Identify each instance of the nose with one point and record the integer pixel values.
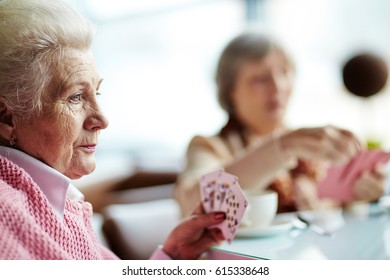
(96, 121)
(279, 83)
(274, 84)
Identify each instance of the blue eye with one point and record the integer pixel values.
(98, 93)
(75, 98)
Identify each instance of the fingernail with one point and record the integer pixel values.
(220, 216)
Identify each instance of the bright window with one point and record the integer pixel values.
(158, 58)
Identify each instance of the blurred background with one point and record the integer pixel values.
(158, 59)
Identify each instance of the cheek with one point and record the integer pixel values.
(54, 142)
(285, 96)
(67, 129)
(50, 138)
(67, 121)
(287, 85)
(61, 129)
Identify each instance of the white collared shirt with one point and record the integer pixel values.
(54, 185)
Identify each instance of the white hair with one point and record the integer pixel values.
(34, 35)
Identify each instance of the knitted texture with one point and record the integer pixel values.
(29, 228)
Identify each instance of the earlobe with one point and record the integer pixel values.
(7, 125)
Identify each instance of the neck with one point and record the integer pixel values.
(266, 129)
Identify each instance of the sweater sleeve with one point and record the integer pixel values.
(107, 254)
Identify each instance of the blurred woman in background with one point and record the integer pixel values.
(255, 78)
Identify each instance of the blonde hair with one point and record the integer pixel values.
(34, 35)
(246, 47)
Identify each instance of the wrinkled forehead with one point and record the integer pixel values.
(76, 66)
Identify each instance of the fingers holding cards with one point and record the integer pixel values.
(220, 191)
(340, 181)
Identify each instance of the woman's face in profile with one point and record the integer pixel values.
(262, 90)
(66, 134)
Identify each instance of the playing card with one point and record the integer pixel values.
(235, 204)
(369, 159)
(225, 180)
(339, 181)
(208, 190)
(224, 194)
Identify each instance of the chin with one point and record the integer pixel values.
(276, 116)
(80, 172)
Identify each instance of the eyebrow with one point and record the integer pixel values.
(82, 83)
(99, 83)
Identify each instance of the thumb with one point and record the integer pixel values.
(210, 219)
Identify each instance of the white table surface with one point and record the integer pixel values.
(360, 234)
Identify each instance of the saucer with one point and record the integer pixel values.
(278, 226)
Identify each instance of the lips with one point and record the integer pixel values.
(274, 105)
(90, 147)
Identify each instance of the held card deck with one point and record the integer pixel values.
(220, 191)
(339, 182)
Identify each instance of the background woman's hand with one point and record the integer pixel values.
(191, 238)
(371, 183)
(321, 143)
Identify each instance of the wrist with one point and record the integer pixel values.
(283, 149)
(170, 251)
(160, 254)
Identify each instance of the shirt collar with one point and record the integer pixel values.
(52, 183)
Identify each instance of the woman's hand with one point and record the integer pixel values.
(371, 183)
(191, 237)
(321, 143)
(306, 196)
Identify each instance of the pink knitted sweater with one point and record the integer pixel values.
(29, 228)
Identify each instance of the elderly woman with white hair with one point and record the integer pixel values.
(50, 122)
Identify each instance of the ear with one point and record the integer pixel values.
(7, 125)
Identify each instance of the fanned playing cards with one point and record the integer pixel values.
(339, 181)
(220, 191)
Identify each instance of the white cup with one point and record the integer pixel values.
(261, 210)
